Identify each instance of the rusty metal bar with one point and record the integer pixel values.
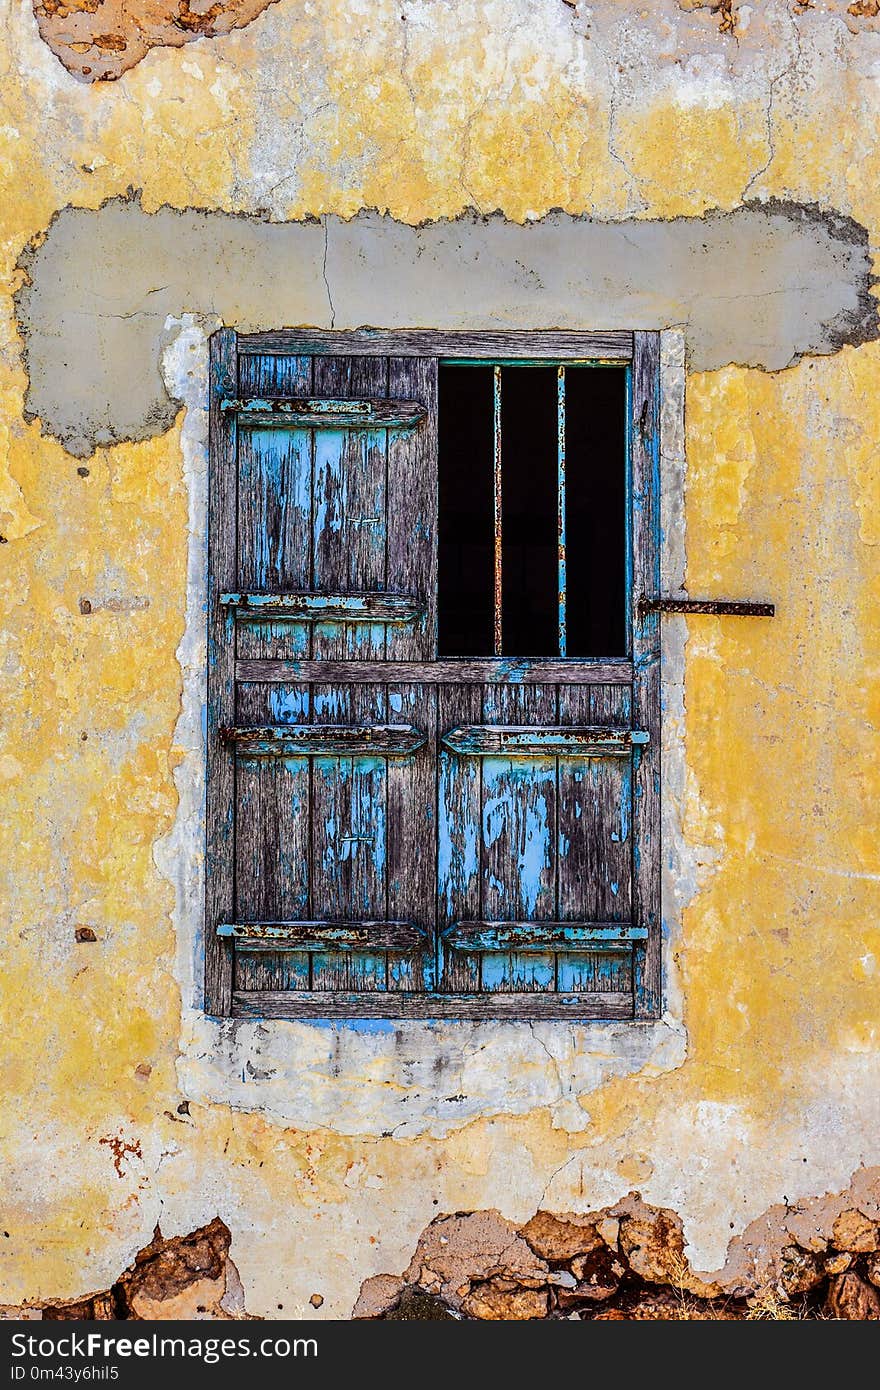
(722, 608)
(560, 509)
(497, 493)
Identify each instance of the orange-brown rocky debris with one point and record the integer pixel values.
(816, 1259)
(99, 40)
(185, 1277)
(819, 1258)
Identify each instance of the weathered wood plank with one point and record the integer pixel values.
(328, 1004)
(326, 740)
(315, 608)
(274, 532)
(327, 414)
(260, 705)
(550, 936)
(645, 432)
(321, 936)
(611, 345)
(349, 842)
(595, 846)
(458, 835)
(221, 674)
(518, 835)
(350, 508)
(412, 835)
(272, 970)
(272, 861)
(529, 741)
(271, 375)
(448, 672)
(412, 507)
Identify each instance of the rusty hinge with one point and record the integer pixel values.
(724, 608)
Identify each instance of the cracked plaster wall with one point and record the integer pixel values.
(421, 111)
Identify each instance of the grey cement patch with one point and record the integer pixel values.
(761, 286)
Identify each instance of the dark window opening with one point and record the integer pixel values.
(533, 511)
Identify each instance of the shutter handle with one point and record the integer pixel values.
(722, 608)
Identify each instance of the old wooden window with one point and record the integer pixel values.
(433, 732)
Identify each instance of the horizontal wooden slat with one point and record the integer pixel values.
(611, 345)
(326, 740)
(542, 936)
(322, 608)
(315, 1004)
(499, 670)
(292, 413)
(322, 936)
(569, 741)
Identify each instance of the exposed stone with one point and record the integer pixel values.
(481, 1265)
(854, 1232)
(180, 1278)
(851, 1298)
(652, 1241)
(661, 1305)
(417, 1306)
(99, 40)
(100, 1307)
(378, 1296)
(801, 1271)
(187, 1277)
(458, 1251)
(609, 1230)
(559, 1239)
(502, 1300)
(598, 1274)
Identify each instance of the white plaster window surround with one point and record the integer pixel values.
(367, 1076)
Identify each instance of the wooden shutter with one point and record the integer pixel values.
(389, 833)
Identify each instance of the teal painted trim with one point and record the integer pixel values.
(569, 741)
(316, 608)
(324, 936)
(292, 412)
(542, 936)
(325, 740)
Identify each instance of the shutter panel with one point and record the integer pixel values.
(334, 556)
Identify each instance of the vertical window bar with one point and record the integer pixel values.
(560, 505)
(496, 451)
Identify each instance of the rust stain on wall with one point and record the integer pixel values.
(99, 40)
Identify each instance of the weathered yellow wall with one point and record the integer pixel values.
(329, 108)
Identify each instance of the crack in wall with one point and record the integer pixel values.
(106, 280)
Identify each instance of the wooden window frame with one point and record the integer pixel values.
(640, 352)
